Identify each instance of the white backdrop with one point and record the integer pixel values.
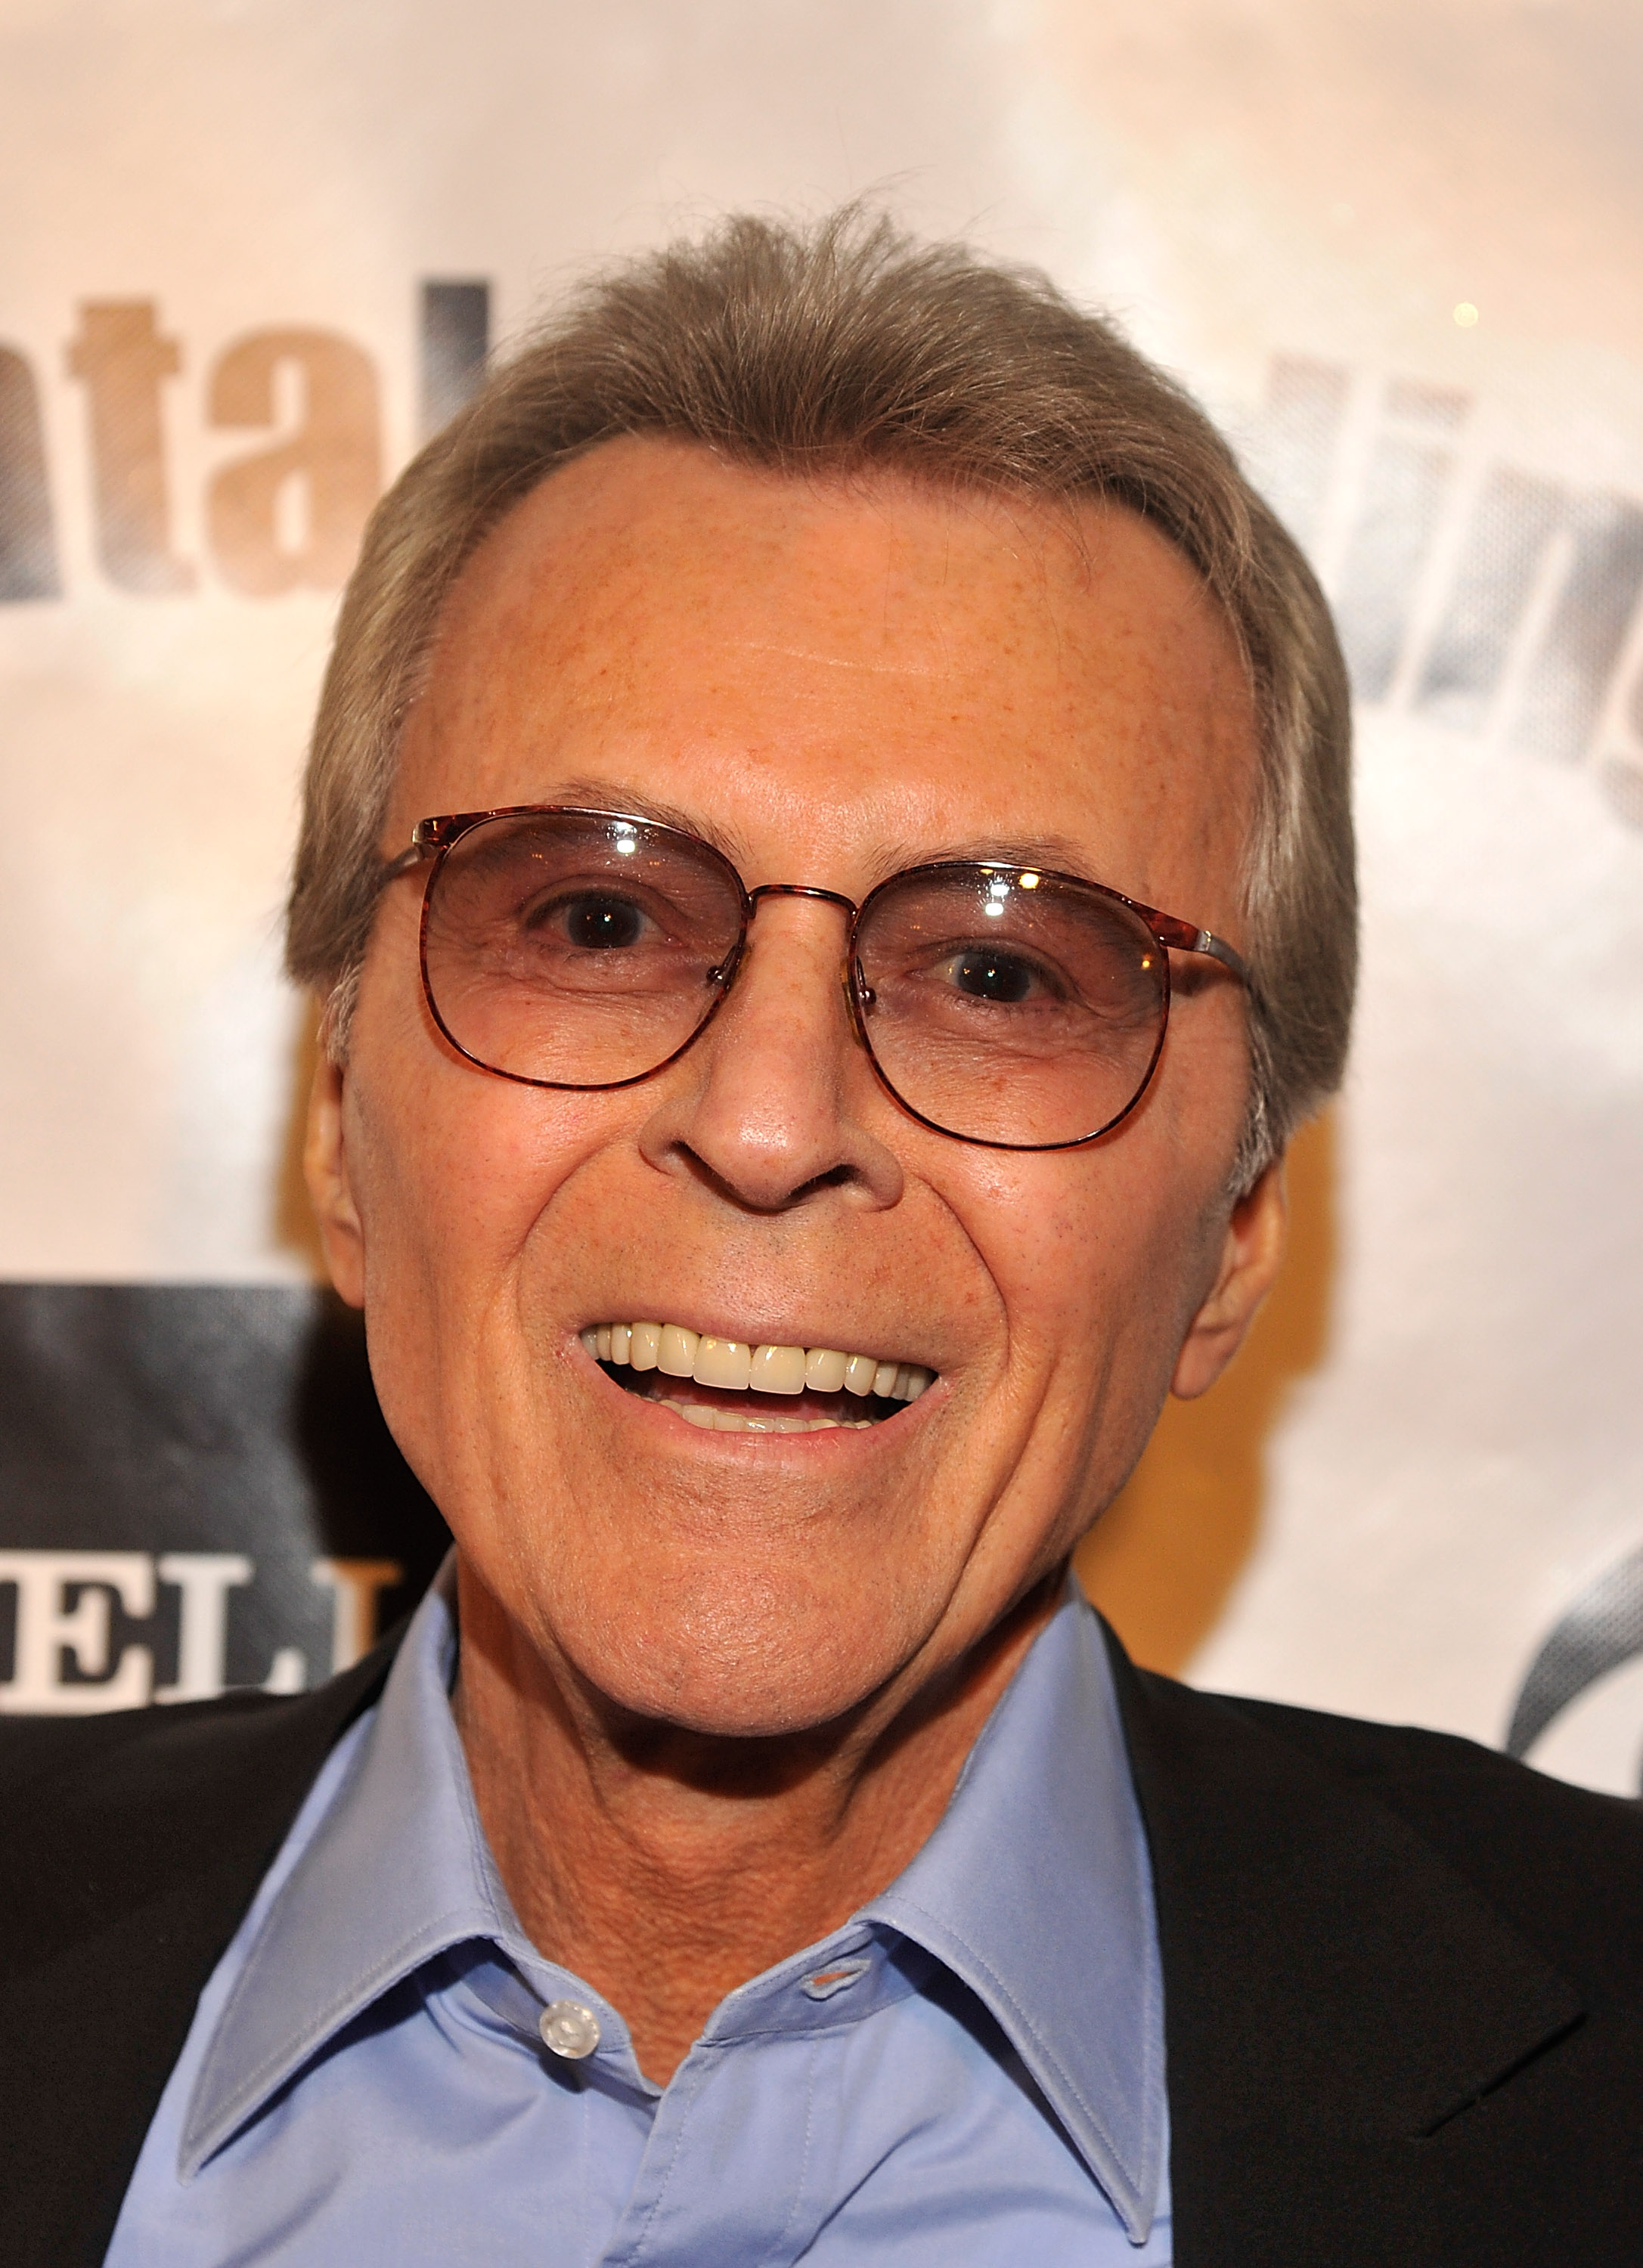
(1393, 246)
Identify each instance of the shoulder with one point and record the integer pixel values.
(1459, 1782)
(130, 1847)
(36, 1749)
(1563, 1863)
(99, 1813)
(1403, 1988)
(185, 1745)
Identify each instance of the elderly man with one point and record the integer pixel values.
(828, 863)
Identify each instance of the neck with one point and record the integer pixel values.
(668, 1867)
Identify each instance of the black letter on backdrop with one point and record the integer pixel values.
(28, 547)
(455, 340)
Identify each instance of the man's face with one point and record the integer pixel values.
(831, 680)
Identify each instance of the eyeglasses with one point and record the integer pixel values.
(1004, 1005)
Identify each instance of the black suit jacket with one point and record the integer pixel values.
(1403, 1976)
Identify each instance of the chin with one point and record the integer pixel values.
(743, 1663)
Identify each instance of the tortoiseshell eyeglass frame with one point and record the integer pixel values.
(434, 839)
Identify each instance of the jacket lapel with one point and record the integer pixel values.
(129, 1857)
(1337, 2000)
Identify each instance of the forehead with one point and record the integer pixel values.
(830, 654)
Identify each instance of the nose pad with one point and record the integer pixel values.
(725, 976)
(857, 995)
(772, 1113)
(856, 1001)
(749, 951)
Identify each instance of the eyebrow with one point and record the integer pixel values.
(1057, 853)
(1053, 853)
(628, 802)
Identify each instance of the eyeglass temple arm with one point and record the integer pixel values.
(418, 854)
(1182, 937)
(429, 837)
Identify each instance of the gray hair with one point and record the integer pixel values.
(845, 346)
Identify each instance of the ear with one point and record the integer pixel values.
(325, 1169)
(1252, 1250)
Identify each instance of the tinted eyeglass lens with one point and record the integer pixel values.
(1010, 1009)
(574, 950)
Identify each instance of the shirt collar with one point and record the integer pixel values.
(1035, 1890)
(396, 1870)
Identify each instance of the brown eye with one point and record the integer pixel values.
(597, 922)
(1002, 977)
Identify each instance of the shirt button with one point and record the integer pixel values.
(568, 2029)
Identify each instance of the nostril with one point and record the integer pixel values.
(837, 1177)
(732, 1186)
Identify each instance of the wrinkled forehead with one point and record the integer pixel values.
(687, 624)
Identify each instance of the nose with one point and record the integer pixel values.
(773, 1103)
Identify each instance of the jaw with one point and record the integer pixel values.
(744, 1586)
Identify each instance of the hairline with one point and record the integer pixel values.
(1063, 512)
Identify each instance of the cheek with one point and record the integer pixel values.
(1095, 1259)
(455, 1174)
(449, 1162)
(466, 1246)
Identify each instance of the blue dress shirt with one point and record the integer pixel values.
(970, 2071)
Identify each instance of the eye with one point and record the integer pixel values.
(988, 973)
(595, 921)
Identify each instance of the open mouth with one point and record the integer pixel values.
(727, 1387)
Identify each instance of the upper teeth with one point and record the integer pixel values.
(681, 1354)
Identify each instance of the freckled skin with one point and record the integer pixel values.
(740, 1675)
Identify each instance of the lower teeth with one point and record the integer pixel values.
(727, 1421)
